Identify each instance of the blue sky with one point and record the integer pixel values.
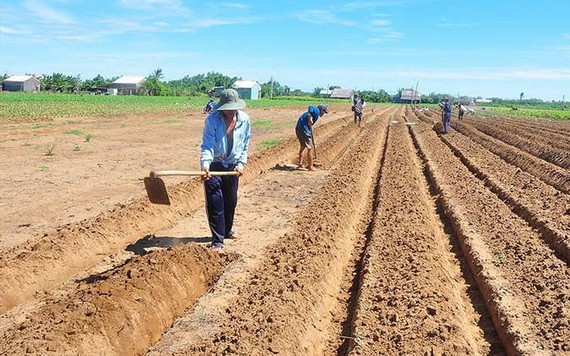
(477, 48)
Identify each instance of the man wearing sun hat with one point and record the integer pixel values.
(225, 141)
(305, 134)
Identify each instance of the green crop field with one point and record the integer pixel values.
(15, 107)
(30, 107)
(18, 107)
(527, 112)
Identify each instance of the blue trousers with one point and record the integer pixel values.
(221, 202)
(446, 121)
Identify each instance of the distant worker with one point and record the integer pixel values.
(305, 133)
(460, 111)
(210, 106)
(445, 106)
(357, 107)
(227, 132)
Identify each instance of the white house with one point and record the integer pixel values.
(128, 85)
(248, 89)
(340, 93)
(410, 96)
(26, 83)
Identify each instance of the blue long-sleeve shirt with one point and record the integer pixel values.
(215, 145)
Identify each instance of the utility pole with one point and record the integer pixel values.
(414, 94)
(271, 90)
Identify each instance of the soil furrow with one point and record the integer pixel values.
(542, 206)
(352, 279)
(535, 145)
(526, 286)
(43, 264)
(535, 134)
(286, 306)
(158, 286)
(553, 175)
(123, 311)
(559, 127)
(413, 299)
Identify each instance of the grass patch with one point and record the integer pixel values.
(261, 123)
(51, 150)
(88, 137)
(73, 132)
(269, 143)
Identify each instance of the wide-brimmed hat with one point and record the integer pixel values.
(324, 108)
(229, 100)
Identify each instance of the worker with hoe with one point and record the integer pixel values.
(305, 133)
(226, 136)
(445, 106)
(357, 107)
(460, 111)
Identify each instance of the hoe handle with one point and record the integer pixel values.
(155, 174)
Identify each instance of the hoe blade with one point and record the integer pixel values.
(156, 190)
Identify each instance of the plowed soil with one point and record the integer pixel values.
(403, 241)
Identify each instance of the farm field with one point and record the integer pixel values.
(404, 241)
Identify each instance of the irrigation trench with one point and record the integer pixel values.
(407, 242)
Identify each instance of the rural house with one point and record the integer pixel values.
(340, 93)
(325, 93)
(128, 85)
(25, 83)
(248, 89)
(410, 96)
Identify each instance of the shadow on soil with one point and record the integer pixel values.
(140, 247)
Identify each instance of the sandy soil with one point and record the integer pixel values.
(405, 241)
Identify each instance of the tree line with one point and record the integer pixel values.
(197, 85)
(201, 84)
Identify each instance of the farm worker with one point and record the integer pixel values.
(226, 136)
(445, 114)
(460, 111)
(210, 106)
(357, 107)
(305, 134)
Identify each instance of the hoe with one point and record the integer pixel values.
(156, 190)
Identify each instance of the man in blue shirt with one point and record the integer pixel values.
(445, 114)
(226, 136)
(304, 131)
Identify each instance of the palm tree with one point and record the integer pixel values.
(153, 84)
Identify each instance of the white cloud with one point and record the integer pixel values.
(321, 17)
(145, 4)
(388, 37)
(8, 30)
(239, 6)
(380, 22)
(46, 13)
